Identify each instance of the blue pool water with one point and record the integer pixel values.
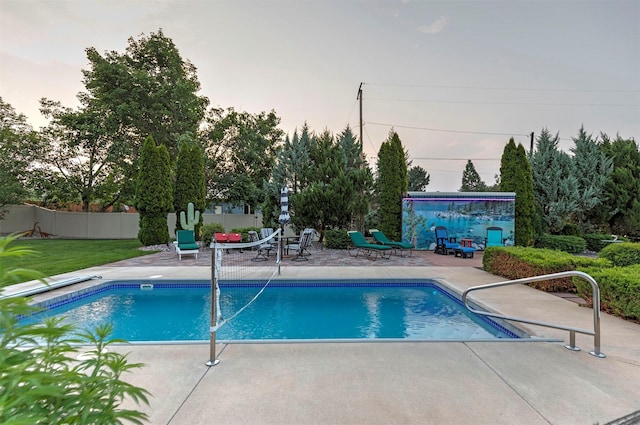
(284, 311)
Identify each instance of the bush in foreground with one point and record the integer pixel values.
(619, 290)
(520, 262)
(42, 379)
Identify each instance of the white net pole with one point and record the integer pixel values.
(216, 262)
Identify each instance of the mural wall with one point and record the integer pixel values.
(464, 214)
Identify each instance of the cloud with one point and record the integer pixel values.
(435, 27)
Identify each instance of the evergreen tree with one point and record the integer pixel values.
(190, 186)
(325, 203)
(621, 209)
(554, 181)
(515, 176)
(391, 185)
(592, 168)
(359, 176)
(418, 179)
(471, 181)
(153, 193)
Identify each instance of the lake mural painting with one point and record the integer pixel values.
(466, 215)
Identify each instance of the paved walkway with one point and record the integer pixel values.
(318, 257)
(535, 382)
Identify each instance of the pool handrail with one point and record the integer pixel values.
(572, 331)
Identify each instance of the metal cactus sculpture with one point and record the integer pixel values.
(189, 220)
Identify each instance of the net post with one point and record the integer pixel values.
(280, 248)
(214, 303)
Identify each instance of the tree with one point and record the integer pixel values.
(391, 185)
(330, 179)
(554, 181)
(515, 176)
(17, 140)
(92, 152)
(190, 186)
(81, 159)
(240, 150)
(471, 181)
(418, 179)
(291, 163)
(325, 202)
(150, 90)
(621, 208)
(153, 193)
(592, 168)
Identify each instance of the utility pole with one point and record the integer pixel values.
(531, 149)
(359, 97)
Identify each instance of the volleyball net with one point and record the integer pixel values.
(252, 265)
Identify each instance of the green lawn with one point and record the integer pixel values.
(56, 256)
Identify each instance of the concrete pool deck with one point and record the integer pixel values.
(393, 382)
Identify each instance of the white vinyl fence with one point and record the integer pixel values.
(80, 225)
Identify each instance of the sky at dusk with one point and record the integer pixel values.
(455, 79)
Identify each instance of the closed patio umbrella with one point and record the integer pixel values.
(284, 206)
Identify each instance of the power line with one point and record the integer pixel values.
(447, 130)
(506, 88)
(471, 102)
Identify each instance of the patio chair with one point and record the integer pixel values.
(302, 246)
(369, 250)
(445, 245)
(265, 232)
(186, 244)
(494, 237)
(381, 238)
(263, 248)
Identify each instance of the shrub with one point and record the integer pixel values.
(596, 241)
(570, 229)
(337, 239)
(622, 254)
(572, 244)
(619, 290)
(244, 231)
(42, 381)
(208, 230)
(153, 229)
(522, 262)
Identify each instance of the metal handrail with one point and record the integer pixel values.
(572, 331)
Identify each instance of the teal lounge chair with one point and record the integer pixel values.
(186, 244)
(397, 246)
(369, 250)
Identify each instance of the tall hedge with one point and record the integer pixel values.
(190, 181)
(154, 198)
(515, 176)
(392, 183)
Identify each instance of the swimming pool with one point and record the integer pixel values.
(311, 310)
